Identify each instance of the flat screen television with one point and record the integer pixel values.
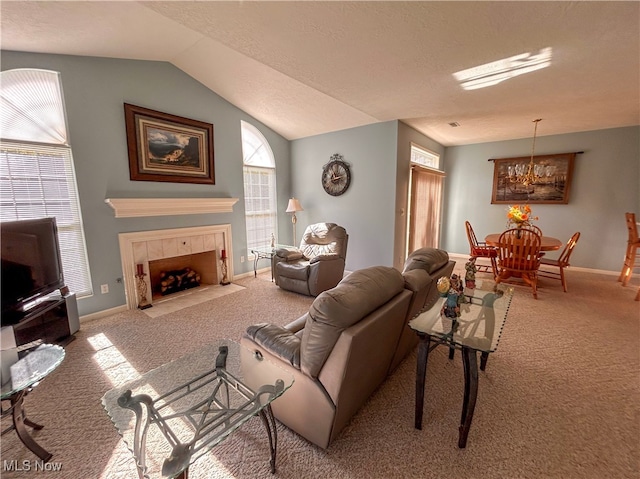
(31, 264)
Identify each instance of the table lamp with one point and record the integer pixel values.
(292, 207)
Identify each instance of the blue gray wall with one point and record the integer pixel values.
(367, 209)
(606, 184)
(95, 90)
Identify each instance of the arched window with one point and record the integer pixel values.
(259, 168)
(37, 177)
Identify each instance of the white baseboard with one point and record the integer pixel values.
(251, 273)
(102, 314)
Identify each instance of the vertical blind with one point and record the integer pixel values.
(37, 177)
(425, 208)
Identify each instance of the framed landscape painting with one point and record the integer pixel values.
(553, 175)
(165, 147)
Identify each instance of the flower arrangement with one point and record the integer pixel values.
(519, 216)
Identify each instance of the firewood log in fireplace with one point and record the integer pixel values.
(178, 280)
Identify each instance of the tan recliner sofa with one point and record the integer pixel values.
(422, 269)
(317, 265)
(339, 352)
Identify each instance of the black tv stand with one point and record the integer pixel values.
(50, 321)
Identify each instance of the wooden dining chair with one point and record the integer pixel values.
(548, 266)
(633, 249)
(537, 230)
(480, 249)
(519, 256)
(534, 228)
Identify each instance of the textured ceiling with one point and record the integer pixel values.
(305, 68)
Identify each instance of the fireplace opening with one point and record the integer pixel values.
(178, 280)
(175, 274)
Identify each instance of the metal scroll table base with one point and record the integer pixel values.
(20, 421)
(213, 418)
(470, 364)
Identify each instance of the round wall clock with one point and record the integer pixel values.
(336, 176)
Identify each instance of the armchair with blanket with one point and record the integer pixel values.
(318, 265)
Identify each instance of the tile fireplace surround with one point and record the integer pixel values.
(144, 246)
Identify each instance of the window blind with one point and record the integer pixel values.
(37, 178)
(259, 187)
(38, 181)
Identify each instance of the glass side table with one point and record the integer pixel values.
(176, 413)
(26, 373)
(479, 327)
(266, 252)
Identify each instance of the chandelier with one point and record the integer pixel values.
(526, 173)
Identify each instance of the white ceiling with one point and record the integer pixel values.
(305, 67)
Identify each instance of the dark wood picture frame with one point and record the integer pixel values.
(554, 173)
(164, 147)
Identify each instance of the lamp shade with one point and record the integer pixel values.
(294, 205)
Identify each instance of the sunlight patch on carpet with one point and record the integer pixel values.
(114, 365)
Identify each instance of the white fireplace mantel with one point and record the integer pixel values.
(136, 248)
(137, 207)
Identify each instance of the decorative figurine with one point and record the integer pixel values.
(141, 285)
(443, 286)
(273, 240)
(456, 283)
(470, 275)
(451, 308)
(223, 268)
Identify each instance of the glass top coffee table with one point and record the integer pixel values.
(34, 365)
(266, 252)
(478, 328)
(176, 413)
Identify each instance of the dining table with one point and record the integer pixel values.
(547, 243)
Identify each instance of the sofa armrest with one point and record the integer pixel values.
(416, 280)
(324, 257)
(289, 254)
(279, 341)
(298, 324)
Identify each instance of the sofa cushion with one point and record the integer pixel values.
(278, 340)
(334, 310)
(428, 259)
(299, 270)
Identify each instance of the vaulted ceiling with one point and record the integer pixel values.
(305, 67)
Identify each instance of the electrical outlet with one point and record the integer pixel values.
(104, 289)
(242, 259)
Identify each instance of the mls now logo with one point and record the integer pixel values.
(28, 465)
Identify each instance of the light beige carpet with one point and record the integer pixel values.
(560, 398)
